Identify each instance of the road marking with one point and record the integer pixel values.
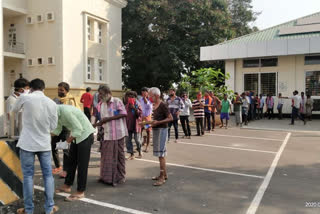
(253, 138)
(258, 197)
(204, 169)
(227, 147)
(99, 203)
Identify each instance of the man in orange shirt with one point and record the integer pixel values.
(87, 100)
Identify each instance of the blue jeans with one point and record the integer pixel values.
(136, 139)
(27, 166)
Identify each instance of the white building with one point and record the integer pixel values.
(78, 42)
(280, 59)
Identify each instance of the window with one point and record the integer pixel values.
(251, 63)
(29, 20)
(251, 82)
(50, 60)
(39, 18)
(30, 62)
(90, 68)
(40, 61)
(100, 33)
(268, 83)
(312, 60)
(269, 62)
(313, 83)
(89, 29)
(263, 62)
(261, 83)
(50, 16)
(100, 70)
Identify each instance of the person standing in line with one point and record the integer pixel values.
(39, 118)
(184, 116)
(260, 110)
(207, 111)
(87, 100)
(146, 106)
(303, 105)
(225, 110)
(237, 102)
(134, 113)
(309, 107)
(64, 97)
(256, 107)
(113, 118)
(270, 105)
(245, 108)
(198, 107)
(216, 102)
(280, 106)
(96, 117)
(21, 87)
(161, 118)
(175, 105)
(296, 102)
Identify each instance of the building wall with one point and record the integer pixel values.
(291, 76)
(75, 45)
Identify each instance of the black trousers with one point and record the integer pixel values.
(87, 112)
(260, 113)
(175, 125)
(295, 114)
(55, 154)
(213, 117)
(207, 121)
(185, 125)
(280, 112)
(199, 122)
(270, 113)
(79, 159)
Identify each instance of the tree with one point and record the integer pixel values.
(162, 39)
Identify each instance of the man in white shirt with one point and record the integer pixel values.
(21, 87)
(184, 115)
(39, 118)
(296, 104)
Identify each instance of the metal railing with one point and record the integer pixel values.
(15, 47)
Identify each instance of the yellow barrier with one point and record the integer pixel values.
(10, 173)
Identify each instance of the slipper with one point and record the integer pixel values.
(54, 209)
(21, 211)
(157, 178)
(145, 151)
(159, 182)
(61, 190)
(72, 198)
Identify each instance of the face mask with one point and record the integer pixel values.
(106, 98)
(131, 101)
(25, 92)
(151, 100)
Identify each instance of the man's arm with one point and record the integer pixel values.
(18, 105)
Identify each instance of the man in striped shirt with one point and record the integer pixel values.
(198, 107)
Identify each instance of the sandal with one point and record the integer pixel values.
(62, 190)
(72, 198)
(54, 209)
(159, 182)
(21, 211)
(57, 170)
(145, 151)
(156, 178)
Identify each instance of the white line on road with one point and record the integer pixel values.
(253, 138)
(228, 147)
(99, 203)
(204, 169)
(258, 197)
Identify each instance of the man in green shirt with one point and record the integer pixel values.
(81, 138)
(226, 106)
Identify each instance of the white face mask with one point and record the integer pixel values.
(25, 92)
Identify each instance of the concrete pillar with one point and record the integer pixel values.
(230, 68)
(2, 115)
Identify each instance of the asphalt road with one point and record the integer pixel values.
(234, 171)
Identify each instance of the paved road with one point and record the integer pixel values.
(234, 171)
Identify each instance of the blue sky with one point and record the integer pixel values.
(279, 11)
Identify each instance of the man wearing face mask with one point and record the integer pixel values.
(64, 97)
(113, 119)
(21, 87)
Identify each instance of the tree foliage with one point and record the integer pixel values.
(162, 38)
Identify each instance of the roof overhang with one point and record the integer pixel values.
(118, 3)
(277, 47)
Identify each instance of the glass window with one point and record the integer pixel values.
(101, 70)
(89, 69)
(251, 63)
(313, 83)
(100, 33)
(268, 83)
(251, 82)
(312, 60)
(269, 62)
(89, 29)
